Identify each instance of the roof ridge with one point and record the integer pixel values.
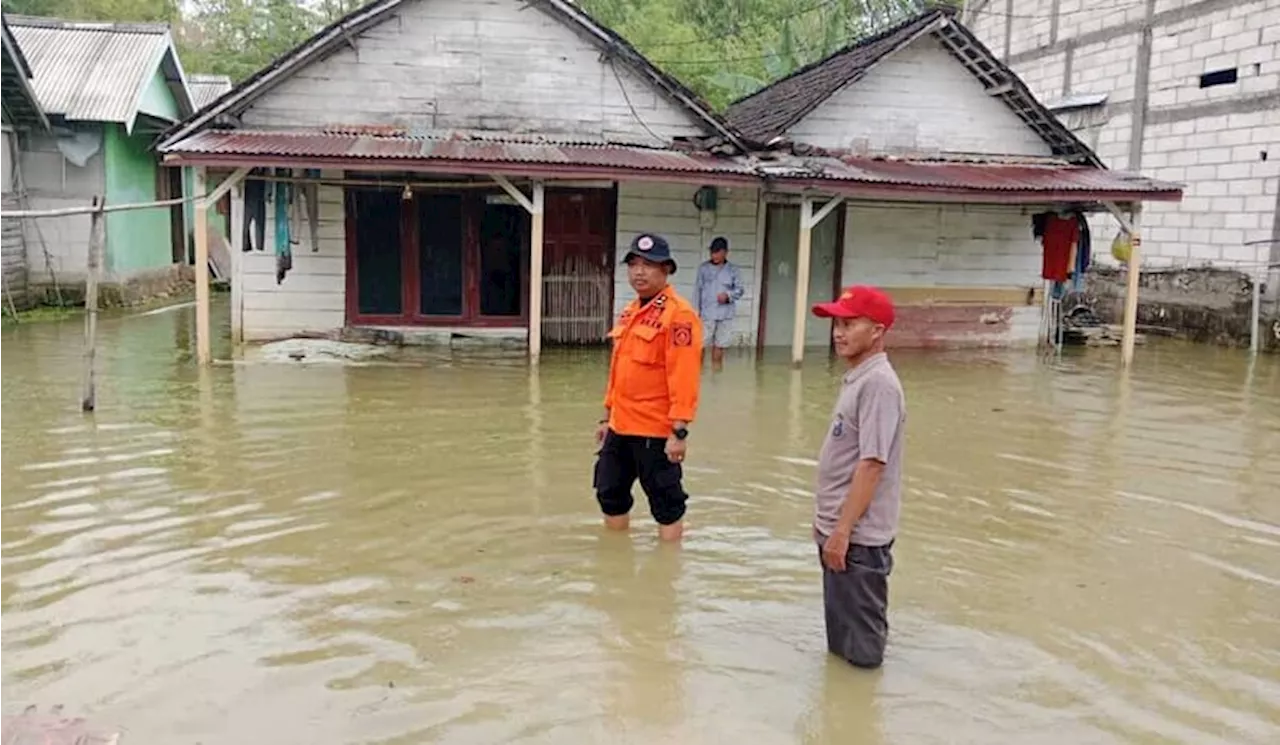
(72, 24)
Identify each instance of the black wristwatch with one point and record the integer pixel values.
(680, 432)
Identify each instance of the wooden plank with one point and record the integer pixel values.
(88, 402)
(204, 353)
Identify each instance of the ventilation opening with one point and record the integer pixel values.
(1219, 77)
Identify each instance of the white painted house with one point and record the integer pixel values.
(1185, 90)
(503, 154)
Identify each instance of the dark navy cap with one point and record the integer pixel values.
(651, 247)
(719, 243)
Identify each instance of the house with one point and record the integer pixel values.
(205, 89)
(1185, 91)
(22, 118)
(108, 89)
(504, 153)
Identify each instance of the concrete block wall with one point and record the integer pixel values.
(1222, 142)
(669, 210)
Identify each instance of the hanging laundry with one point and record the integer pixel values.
(284, 256)
(1084, 253)
(255, 215)
(1038, 221)
(312, 194)
(1060, 235)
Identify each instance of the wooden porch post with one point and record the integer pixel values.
(1130, 334)
(203, 347)
(1129, 328)
(803, 255)
(237, 263)
(808, 220)
(535, 273)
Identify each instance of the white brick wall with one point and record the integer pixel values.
(1230, 190)
(474, 64)
(896, 245)
(668, 209)
(920, 99)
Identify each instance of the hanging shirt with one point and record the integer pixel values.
(1060, 235)
(656, 366)
(712, 280)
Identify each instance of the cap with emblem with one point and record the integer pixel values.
(859, 301)
(651, 247)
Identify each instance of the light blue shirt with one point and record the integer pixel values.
(713, 280)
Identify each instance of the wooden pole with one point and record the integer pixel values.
(804, 250)
(237, 263)
(1130, 332)
(203, 348)
(89, 401)
(535, 273)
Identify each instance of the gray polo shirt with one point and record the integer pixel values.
(868, 422)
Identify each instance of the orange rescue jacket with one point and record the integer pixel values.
(656, 365)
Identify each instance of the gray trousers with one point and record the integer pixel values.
(856, 602)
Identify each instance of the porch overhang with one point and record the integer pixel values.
(530, 158)
(888, 179)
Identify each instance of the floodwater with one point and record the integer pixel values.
(324, 553)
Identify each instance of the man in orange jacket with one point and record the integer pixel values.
(652, 394)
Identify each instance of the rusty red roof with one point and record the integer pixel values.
(1047, 180)
(532, 156)
(857, 177)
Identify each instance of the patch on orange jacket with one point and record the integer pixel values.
(682, 334)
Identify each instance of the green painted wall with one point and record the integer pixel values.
(158, 101)
(136, 239)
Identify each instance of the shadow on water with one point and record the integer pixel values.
(400, 554)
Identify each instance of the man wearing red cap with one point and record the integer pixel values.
(859, 486)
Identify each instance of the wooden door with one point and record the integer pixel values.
(578, 265)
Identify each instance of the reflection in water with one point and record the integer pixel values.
(300, 553)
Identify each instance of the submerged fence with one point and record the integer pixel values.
(95, 260)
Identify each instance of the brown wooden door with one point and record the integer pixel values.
(578, 265)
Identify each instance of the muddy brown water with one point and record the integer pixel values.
(323, 553)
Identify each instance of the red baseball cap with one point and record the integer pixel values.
(859, 301)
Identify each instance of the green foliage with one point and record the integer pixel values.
(722, 49)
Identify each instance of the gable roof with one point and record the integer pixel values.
(91, 71)
(769, 112)
(205, 89)
(21, 105)
(340, 31)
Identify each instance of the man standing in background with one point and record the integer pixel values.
(716, 292)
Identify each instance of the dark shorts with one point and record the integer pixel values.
(856, 602)
(623, 459)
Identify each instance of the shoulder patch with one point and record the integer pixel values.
(682, 334)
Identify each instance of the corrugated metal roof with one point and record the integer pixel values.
(205, 89)
(345, 145)
(972, 176)
(998, 181)
(90, 71)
